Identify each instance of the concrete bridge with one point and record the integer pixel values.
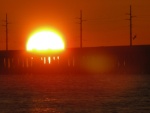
(89, 60)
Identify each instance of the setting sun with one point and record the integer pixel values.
(45, 41)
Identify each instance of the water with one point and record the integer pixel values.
(74, 94)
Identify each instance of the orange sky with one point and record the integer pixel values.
(105, 24)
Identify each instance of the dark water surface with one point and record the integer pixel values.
(74, 94)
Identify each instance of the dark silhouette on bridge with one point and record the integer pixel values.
(88, 60)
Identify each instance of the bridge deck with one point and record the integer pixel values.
(112, 59)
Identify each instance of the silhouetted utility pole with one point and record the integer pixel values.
(81, 22)
(6, 33)
(6, 25)
(130, 25)
(130, 19)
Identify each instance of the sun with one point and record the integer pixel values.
(45, 41)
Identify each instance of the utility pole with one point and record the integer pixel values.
(130, 25)
(6, 26)
(81, 29)
(6, 32)
(130, 19)
(81, 21)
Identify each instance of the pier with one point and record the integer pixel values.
(88, 60)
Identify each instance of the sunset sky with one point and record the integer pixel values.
(105, 24)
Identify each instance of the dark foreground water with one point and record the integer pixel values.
(74, 94)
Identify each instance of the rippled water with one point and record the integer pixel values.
(74, 94)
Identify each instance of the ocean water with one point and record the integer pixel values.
(74, 93)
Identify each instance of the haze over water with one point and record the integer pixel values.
(74, 93)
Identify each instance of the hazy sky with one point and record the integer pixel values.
(105, 24)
